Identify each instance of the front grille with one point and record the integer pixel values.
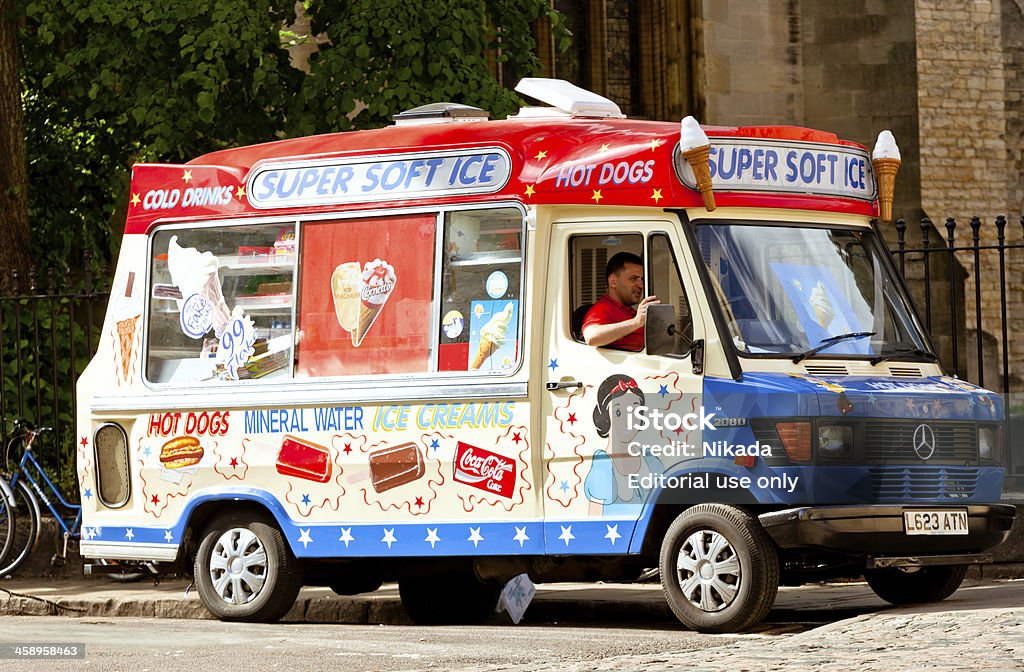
(903, 483)
(893, 441)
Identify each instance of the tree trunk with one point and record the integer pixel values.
(15, 257)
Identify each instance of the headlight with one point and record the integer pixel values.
(988, 443)
(835, 441)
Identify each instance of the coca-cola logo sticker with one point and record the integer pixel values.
(485, 470)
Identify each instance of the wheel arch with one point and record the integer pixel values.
(662, 509)
(203, 508)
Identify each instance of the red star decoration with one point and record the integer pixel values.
(419, 501)
(84, 442)
(517, 438)
(155, 499)
(234, 462)
(572, 418)
(348, 448)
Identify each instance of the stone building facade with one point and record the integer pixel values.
(945, 76)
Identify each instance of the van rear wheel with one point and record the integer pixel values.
(245, 571)
(719, 569)
(915, 585)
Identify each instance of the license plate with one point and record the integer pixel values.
(935, 522)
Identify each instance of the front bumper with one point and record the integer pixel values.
(878, 529)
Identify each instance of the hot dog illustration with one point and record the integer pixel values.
(181, 451)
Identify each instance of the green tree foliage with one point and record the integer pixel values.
(112, 82)
(108, 83)
(384, 56)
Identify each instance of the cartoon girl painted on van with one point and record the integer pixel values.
(613, 483)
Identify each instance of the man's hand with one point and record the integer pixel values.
(641, 310)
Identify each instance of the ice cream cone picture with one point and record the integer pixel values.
(824, 313)
(202, 304)
(378, 281)
(696, 149)
(126, 339)
(492, 336)
(885, 159)
(345, 283)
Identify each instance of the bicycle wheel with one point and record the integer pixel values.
(26, 528)
(7, 521)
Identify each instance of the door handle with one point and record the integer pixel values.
(563, 385)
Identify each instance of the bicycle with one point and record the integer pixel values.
(7, 518)
(26, 484)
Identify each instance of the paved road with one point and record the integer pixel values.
(980, 628)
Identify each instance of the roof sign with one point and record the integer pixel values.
(740, 164)
(372, 178)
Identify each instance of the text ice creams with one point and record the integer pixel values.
(492, 336)
(345, 283)
(377, 283)
(885, 159)
(696, 149)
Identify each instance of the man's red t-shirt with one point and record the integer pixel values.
(609, 311)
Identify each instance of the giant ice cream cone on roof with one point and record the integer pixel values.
(378, 283)
(886, 161)
(696, 148)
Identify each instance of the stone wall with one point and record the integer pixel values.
(968, 61)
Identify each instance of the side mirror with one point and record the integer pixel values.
(660, 332)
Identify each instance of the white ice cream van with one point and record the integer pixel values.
(355, 358)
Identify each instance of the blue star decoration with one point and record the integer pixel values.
(434, 444)
(305, 499)
(553, 364)
(564, 486)
(663, 390)
(88, 493)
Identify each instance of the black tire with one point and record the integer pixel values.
(452, 598)
(26, 528)
(719, 569)
(244, 570)
(915, 585)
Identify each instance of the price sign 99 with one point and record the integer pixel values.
(236, 344)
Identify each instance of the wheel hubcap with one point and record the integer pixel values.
(708, 570)
(238, 566)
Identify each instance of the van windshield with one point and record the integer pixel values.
(787, 289)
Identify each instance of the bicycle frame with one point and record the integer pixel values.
(28, 459)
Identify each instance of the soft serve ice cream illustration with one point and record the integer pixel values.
(492, 336)
(202, 303)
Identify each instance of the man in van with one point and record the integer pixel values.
(617, 319)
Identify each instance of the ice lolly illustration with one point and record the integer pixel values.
(345, 282)
(885, 159)
(696, 148)
(378, 281)
(492, 335)
(195, 272)
(395, 465)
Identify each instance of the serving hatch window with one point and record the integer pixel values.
(220, 304)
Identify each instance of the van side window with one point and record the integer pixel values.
(220, 304)
(665, 282)
(588, 261)
(365, 296)
(480, 311)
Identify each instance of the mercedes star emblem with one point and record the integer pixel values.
(924, 442)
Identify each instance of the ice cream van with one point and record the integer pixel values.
(355, 358)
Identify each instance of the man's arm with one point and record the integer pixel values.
(603, 334)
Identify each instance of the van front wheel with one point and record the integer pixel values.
(915, 585)
(719, 569)
(245, 572)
